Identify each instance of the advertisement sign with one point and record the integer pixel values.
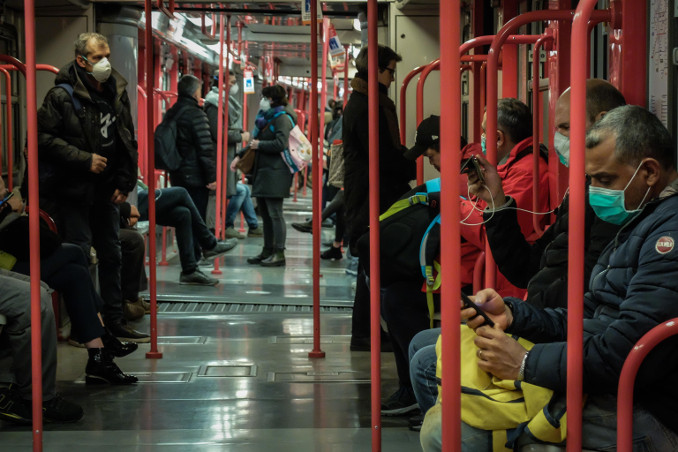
(306, 12)
(248, 82)
(334, 44)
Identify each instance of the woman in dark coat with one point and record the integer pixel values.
(271, 177)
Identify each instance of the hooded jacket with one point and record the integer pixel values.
(395, 171)
(194, 142)
(67, 139)
(633, 288)
(234, 135)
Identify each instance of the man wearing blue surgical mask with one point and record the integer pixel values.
(88, 163)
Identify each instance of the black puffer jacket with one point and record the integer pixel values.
(633, 288)
(542, 265)
(394, 170)
(67, 140)
(272, 177)
(194, 142)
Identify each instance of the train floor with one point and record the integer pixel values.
(235, 373)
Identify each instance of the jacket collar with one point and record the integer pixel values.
(516, 153)
(69, 74)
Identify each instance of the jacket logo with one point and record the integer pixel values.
(664, 245)
(106, 123)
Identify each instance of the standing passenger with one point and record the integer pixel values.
(271, 176)
(88, 163)
(395, 171)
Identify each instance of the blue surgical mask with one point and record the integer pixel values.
(561, 143)
(264, 105)
(483, 144)
(610, 205)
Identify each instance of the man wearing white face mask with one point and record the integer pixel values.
(88, 163)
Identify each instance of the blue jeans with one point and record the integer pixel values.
(423, 360)
(599, 430)
(242, 200)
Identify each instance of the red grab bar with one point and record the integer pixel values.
(168, 12)
(628, 376)
(432, 66)
(403, 101)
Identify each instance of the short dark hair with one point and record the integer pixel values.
(639, 134)
(215, 77)
(514, 118)
(188, 84)
(601, 96)
(276, 93)
(384, 56)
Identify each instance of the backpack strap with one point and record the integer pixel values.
(69, 89)
(428, 250)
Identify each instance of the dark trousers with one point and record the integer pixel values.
(132, 272)
(360, 321)
(175, 208)
(336, 207)
(405, 311)
(67, 271)
(96, 225)
(275, 230)
(200, 196)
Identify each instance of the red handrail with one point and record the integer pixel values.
(575, 283)
(628, 376)
(450, 108)
(432, 66)
(535, 131)
(154, 353)
(346, 75)
(403, 102)
(375, 275)
(316, 170)
(168, 12)
(221, 182)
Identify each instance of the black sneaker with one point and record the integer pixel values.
(126, 333)
(401, 402)
(255, 232)
(60, 410)
(220, 248)
(197, 278)
(332, 253)
(416, 422)
(13, 408)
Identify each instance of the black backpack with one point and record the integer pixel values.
(402, 228)
(167, 156)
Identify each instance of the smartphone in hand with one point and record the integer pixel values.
(469, 304)
(470, 165)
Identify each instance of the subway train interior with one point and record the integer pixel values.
(256, 357)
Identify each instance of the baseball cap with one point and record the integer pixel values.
(428, 133)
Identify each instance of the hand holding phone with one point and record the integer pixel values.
(469, 304)
(472, 165)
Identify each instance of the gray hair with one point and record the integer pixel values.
(188, 84)
(83, 38)
(639, 134)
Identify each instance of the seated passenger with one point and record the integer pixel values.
(540, 266)
(132, 272)
(630, 158)
(404, 305)
(15, 366)
(64, 267)
(175, 208)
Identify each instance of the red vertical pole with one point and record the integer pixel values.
(575, 281)
(435, 64)
(218, 231)
(321, 110)
(10, 141)
(8, 97)
(225, 168)
(34, 222)
(346, 76)
(148, 39)
(509, 65)
(450, 114)
(375, 275)
(317, 190)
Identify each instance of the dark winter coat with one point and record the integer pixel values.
(194, 142)
(67, 140)
(542, 266)
(234, 135)
(633, 288)
(272, 177)
(395, 171)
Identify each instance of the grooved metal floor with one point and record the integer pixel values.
(235, 373)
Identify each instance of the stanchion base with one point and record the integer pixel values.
(163, 264)
(316, 354)
(153, 355)
(216, 272)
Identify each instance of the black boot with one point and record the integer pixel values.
(265, 253)
(101, 369)
(276, 259)
(116, 347)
